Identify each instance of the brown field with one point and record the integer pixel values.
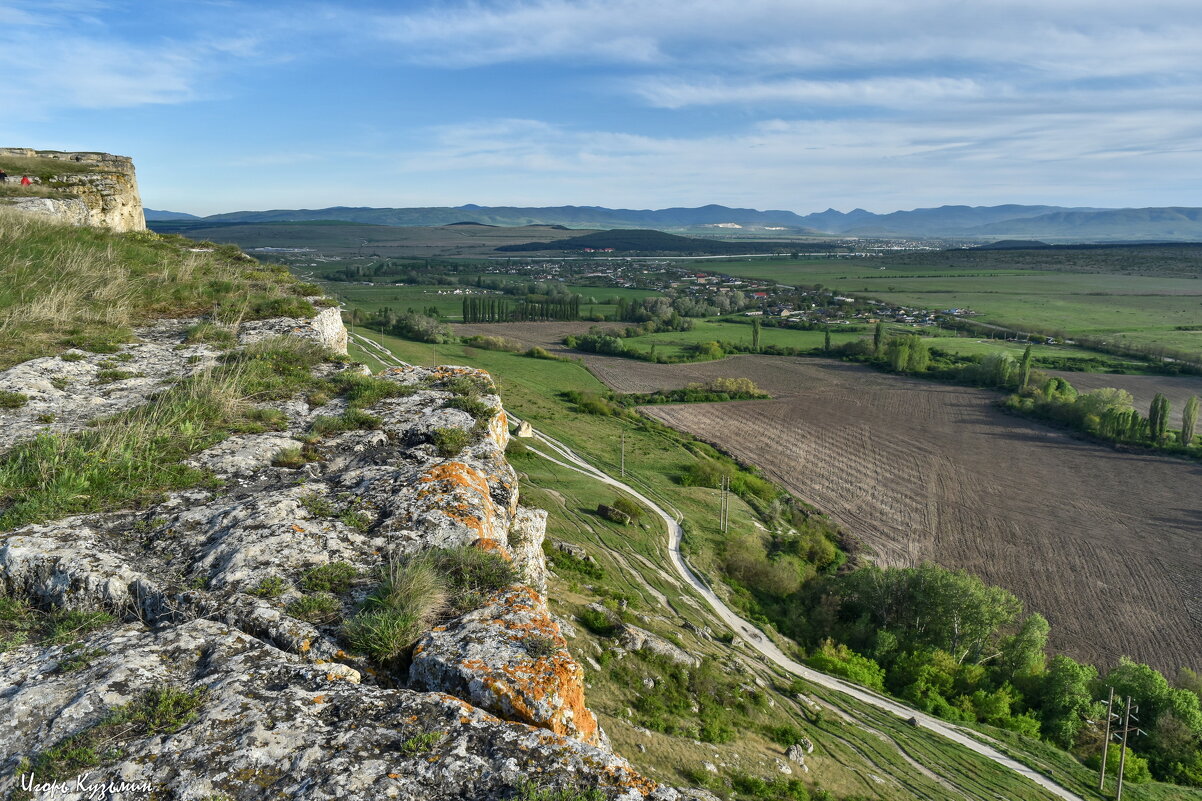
(1103, 543)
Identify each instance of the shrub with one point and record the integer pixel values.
(472, 575)
(472, 405)
(450, 441)
(362, 391)
(291, 458)
(112, 376)
(13, 400)
(319, 608)
(269, 587)
(528, 791)
(333, 577)
(629, 507)
(384, 635)
(539, 646)
(350, 420)
(542, 353)
(317, 506)
(839, 660)
(421, 743)
(599, 622)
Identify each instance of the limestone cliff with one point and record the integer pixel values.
(204, 589)
(80, 188)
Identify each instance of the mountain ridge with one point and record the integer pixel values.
(955, 221)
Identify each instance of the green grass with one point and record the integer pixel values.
(63, 286)
(130, 459)
(1140, 309)
(22, 624)
(44, 168)
(410, 596)
(674, 343)
(12, 400)
(450, 441)
(420, 297)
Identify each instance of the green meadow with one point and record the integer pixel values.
(1141, 309)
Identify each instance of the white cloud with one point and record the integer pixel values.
(1073, 159)
(883, 91)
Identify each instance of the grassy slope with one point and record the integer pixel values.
(847, 755)
(66, 287)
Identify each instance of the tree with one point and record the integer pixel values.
(1024, 654)
(878, 336)
(1189, 421)
(1066, 700)
(826, 345)
(755, 335)
(1158, 418)
(1024, 369)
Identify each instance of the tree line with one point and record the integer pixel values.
(488, 309)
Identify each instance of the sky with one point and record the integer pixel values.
(770, 104)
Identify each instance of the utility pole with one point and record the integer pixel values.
(1127, 729)
(724, 521)
(1106, 739)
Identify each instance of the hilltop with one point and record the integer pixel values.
(86, 188)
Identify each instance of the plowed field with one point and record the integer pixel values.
(1107, 545)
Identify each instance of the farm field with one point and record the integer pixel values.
(347, 239)
(1102, 542)
(450, 305)
(1144, 309)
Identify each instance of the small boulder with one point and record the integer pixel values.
(632, 638)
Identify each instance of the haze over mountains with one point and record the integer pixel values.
(1010, 221)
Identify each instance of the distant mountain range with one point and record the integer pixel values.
(984, 222)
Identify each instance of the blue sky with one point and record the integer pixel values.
(794, 104)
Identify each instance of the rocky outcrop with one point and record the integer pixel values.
(103, 194)
(65, 392)
(267, 723)
(204, 586)
(511, 659)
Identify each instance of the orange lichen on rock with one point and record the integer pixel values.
(484, 657)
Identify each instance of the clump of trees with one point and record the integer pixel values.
(421, 326)
(1108, 413)
(964, 650)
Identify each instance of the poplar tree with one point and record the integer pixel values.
(827, 341)
(878, 336)
(1189, 421)
(1158, 417)
(1024, 367)
(755, 336)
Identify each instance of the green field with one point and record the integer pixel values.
(673, 343)
(450, 306)
(1142, 309)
